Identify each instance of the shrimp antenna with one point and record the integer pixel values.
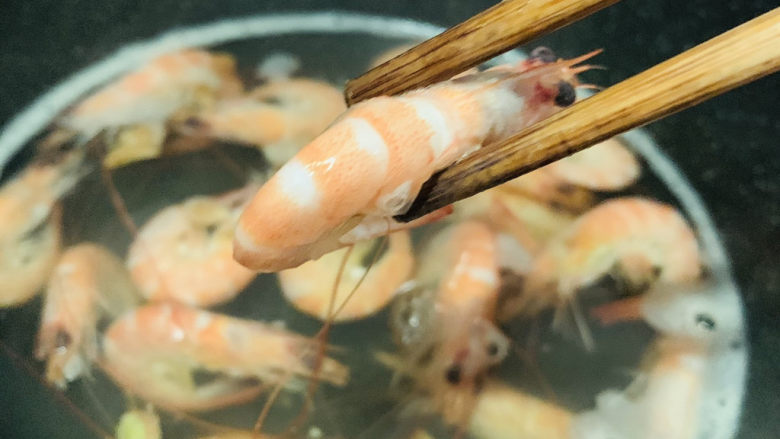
(321, 336)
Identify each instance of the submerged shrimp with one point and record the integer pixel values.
(346, 184)
(310, 287)
(280, 116)
(158, 351)
(155, 91)
(645, 240)
(184, 252)
(605, 166)
(696, 311)
(448, 362)
(87, 284)
(502, 412)
(30, 228)
(662, 402)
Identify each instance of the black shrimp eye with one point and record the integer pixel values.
(566, 94)
(492, 349)
(705, 321)
(544, 54)
(62, 339)
(453, 374)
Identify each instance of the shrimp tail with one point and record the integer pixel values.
(618, 311)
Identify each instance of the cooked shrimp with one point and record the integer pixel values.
(662, 402)
(606, 166)
(155, 91)
(88, 283)
(156, 351)
(449, 362)
(280, 116)
(184, 252)
(696, 311)
(346, 185)
(646, 240)
(546, 187)
(310, 287)
(30, 227)
(502, 412)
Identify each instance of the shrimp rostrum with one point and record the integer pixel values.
(348, 183)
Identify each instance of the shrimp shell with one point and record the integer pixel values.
(88, 283)
(370, 164)
(154, 351)
(309, 287)
(184, 252)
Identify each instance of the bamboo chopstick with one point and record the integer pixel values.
(729, 60)
(483, 36)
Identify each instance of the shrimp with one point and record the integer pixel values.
(662, 402)
(155, 91)
(88, 283)
(697, 311)
(280, 117)
(449, 362)
(605, 166)
(502, 412)
(644, 239)
(308, 289)
(30, 230)
(346, 184)
(158, 351)
(184, 252)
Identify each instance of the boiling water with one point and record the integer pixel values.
(365, 408)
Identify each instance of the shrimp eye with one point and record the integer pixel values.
(271, 100)
(543, 54)
(453, 374)
(211, 229)
(566, 94)
(705, 321)
(62, 339)
(193, 122)
(492, 349)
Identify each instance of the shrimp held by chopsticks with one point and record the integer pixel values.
(348, 183)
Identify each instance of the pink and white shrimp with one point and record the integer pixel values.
(184, 253)
(155, 352)
(502, 412)
(664, 401)
(646, 240)
(606, 166)
(348, 183)
(448, 362)
(309, 287)
(30, 229)
(155, 91)
(279, 117)
(697, 311)
(88, 284)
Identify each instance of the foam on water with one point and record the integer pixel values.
(725, 381)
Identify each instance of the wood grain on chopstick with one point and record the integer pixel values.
(736, 57)
(490, 33)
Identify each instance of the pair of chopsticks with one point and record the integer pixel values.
(734, 58)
